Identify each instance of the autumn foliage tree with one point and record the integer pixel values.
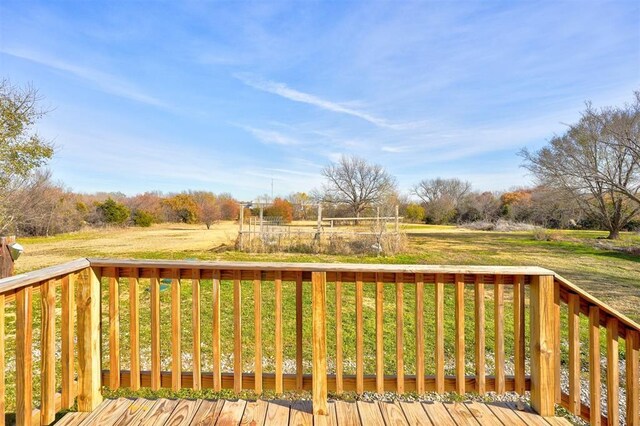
(280, 208)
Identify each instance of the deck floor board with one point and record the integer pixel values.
(126, 412)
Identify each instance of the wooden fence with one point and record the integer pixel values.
(450, 293)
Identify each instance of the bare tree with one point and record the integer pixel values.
(357, 183)
(594, 161)
(441, 197)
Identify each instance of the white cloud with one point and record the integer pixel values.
(271, 137)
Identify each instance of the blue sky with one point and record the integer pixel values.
(226, 96)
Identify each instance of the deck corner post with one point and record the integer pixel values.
(543, 340)
(319, 338)
(89, 353)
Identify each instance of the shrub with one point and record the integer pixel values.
(142, 218)
(113, 212)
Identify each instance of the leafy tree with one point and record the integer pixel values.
(208, 208)
(415, 212)
(182, 208)
(357, 183)
(229, 207)
(113, 212)
(280, 208)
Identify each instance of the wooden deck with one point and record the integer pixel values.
(174, 412)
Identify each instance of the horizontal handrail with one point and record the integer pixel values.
(34, 277)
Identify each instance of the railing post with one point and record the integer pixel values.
(88, 306)
(543, 352)
(319, 340)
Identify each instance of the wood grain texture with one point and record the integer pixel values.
(415, 414)
(573, 318)
(114, 331)
(542, 341)
(67, 324)
(392, 413)
(359, 335)
(498, 316)
(183, 413)
(299, 365)
(632, 355)
(319, 342)
(613, 371)
(479, 314)
(48, 354)
(339, 338)
(518, 332)
(370, 413)
(399, 334)
(217, 354)
(278, 330)
(195, 329)
(255, 413)
(176, 333)
(88, 308)
(439, 355)
(257, 324)
(237, 334)
(379, 334)
(459, 341)
(594, 364)
(155, 331)
(134, 329)
(419, 319)
(24, 356)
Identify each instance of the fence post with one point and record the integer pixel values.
(6, 262)
(543, 350)
(319, 340)
(89, 372)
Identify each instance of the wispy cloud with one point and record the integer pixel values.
(271, 136)
(287, 92)
(106, 82)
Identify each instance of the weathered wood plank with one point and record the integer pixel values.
(518, 331)
(255, 413)
(594, 364)
(176, 333)
(207, 413)
(370, 413)
(574, 353)
(399, 334)
(459, 342)
(461, 414)
(136, 411)
(237, 333)
(24, 356)
(505, 414)
(48, 354)
(498, 315)
(419, 313)
(379, 334)
(114, 330)
(278, 330)
(16, 282)
(257, 324)
(217, 354)
(359, 336)
(134, 329)
(319, 345)
(195, 329)
(110, 414)
(415, 414)
(613, 371)
(542, 341)
(479, 312)
(437, 413)
(88, 307)
(67, 335)
(339, 359)
(159, 412)
(483, 414)
(183, 413)
(392, 413)
(439, 355)
(347, 413)
(155, 331)
(278, 413)
(300, 414)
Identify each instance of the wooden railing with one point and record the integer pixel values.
(318, 327)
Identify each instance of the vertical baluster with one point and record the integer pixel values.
(594, 364)
(217, 371)
(359, 336)
(541, 345)
(299, 366)
(134, 327)
(498, 316)
(319, 347)
(612, 371)
(556, 340)
(89, 356)
(439, 333)
(176, 332)
(2, 363)
(633, 377)
(399, 334)
(379, 331)
(237, 333)
(24, 375)
(339, 360)
(257, 321)
(48, 354)
(195, 329)
(68, 309)
(114, 331)
(518, 328)
(419, 333)
(480, 335)
(574, 353)
(279, 343)
(459, 317)
(155, 329)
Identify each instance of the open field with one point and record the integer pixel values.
(608, 274)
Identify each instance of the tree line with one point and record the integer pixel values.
(588, 177)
